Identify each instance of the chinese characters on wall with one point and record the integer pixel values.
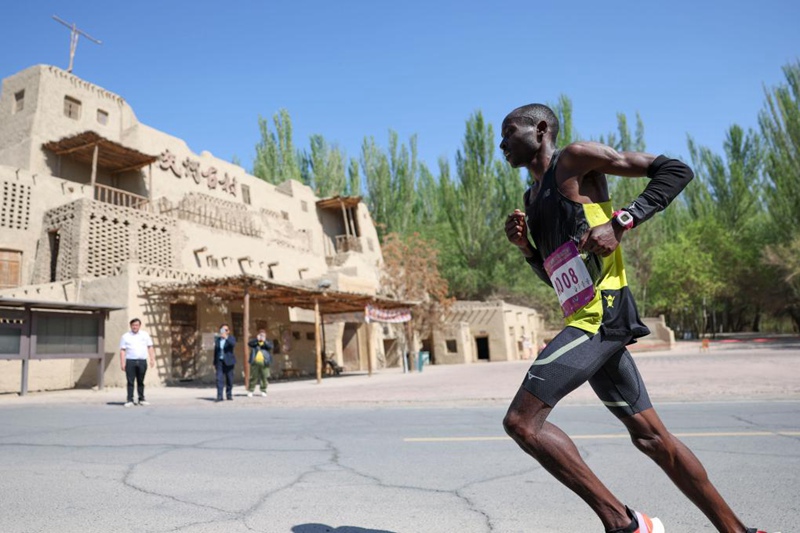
(191, 169)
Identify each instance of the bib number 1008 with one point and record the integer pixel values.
(566, 280)
(570, 278)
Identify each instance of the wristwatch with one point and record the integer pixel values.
(623, 218)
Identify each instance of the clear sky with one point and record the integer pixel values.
(204, 70)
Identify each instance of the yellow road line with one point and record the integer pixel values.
(618, 436)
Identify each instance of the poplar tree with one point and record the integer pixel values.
(390, 179)
(324, 168)
(276, 159)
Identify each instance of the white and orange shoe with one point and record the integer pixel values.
(647, 524)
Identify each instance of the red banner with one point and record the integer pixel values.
(393, 316)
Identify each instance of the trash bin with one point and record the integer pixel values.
(423, 359)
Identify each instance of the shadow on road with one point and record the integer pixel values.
(322, 528)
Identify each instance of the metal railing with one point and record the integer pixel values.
(110, 195)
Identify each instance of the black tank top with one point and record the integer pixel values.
(553, 219)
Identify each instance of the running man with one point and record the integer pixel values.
(575, 250)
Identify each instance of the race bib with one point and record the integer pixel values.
(570, 278)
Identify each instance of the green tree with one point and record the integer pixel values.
(476, 204)
(390, 180)
(353, 178)
(566, 129)
(685, 278)
(726, 192)
(324, 167)
(780, 125)
(728, 188)
(276, 159)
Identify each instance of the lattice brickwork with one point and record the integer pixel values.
(108, 245)
(99, 239)
(15, 210)
(154, 245)
(118, 236)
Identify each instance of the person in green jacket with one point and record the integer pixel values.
(260, 360)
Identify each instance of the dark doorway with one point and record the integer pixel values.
(427, 346)
(183, 331)
(55, 243)
(482, 345)
(350, 358)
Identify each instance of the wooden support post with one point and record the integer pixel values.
(246, 335)
(318, 340)
(94, 167)
(370, 348)
(150, 187)
(344, 217)
(409, 346)
(101, 347)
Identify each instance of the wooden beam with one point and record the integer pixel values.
(74, 148)
(131, 167)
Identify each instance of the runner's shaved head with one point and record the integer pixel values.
(536, 113)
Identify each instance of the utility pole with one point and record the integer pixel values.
(73, 39)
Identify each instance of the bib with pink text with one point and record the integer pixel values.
(570, 278)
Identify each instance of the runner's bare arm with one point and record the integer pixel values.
(581, 158)
(668, 177)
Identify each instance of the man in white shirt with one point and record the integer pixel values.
(135, 348)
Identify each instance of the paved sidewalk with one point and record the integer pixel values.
(752, 369)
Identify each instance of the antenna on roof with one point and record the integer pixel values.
(73, 39)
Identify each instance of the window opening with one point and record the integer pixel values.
(72, 108)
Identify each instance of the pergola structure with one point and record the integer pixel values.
(247, 286)
(93, 149)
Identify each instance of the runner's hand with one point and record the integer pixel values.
(601, 240)
(516, 230)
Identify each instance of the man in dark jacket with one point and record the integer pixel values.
(260, 360)
(224, 361)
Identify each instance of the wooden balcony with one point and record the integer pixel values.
(110, 195)
(347, 243)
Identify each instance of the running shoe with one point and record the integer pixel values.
(646, 524)
(754, 530)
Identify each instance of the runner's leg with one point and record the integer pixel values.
(526, 423)
(621, 388)
(567, 362)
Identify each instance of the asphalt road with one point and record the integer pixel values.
(233, 467)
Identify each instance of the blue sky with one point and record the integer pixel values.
(204, 71)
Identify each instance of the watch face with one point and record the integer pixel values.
(625, 219)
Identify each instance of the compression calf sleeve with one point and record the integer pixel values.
(668, 177)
